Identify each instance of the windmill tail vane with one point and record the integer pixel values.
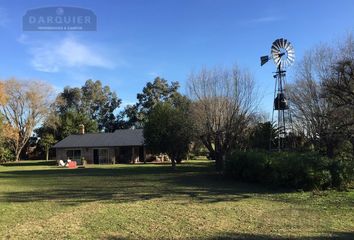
(264, 60)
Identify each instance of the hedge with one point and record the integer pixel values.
(290, 169)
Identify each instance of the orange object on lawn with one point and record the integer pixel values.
(72, 164)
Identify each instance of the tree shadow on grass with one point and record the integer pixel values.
(29, 163)
(125, 192)
(330, 236)
(130, 183)
(249, 236)
(126, 184)
(116, 170)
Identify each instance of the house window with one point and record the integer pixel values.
(103, 155)
(74, 155)
(100, 156)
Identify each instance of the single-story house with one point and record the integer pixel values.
(121, 146)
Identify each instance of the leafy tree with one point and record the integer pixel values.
(69, 99)
(153, 93)
(63, 124)
(169, 130)
(26, 106)
(3, 96)
(100, 103)
(92, 105)
(95, 101)
(262, 135)
(2, 137)
(47, 141)
(7, 134)
(71, 120)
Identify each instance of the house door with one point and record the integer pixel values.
(141, 154)
(95, 156)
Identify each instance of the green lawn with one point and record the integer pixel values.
(152, 202)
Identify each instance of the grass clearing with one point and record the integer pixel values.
(38, 201)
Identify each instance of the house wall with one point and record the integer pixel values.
(87, 153)
(60, 154)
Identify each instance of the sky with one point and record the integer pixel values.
(138, 40)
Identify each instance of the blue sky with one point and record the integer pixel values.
(137, 40)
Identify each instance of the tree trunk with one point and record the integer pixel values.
(18, 156)
(47, 154)
(219, 161)
(173, 162)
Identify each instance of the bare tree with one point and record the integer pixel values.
(223, 102)
(25, 105)
(308, 105)
(339, 89)
(340, 84)
(322, 95)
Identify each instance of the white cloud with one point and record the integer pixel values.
(23, 38)
(153, 74)
(67, 53)
(264, 19)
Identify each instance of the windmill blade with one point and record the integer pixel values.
(289, 48)
(286, 44)
(291, 54)
(282, 44)
(277, 44)
(282, 52)
(274, 49)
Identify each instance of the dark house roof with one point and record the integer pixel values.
(128, 137)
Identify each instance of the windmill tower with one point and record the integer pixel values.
(283, 55)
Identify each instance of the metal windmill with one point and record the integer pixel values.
(283, 55)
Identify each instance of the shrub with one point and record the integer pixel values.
(6, 155)
(248, 166)
(342, 166)
(294, 170)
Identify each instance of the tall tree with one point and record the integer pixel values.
(339, 90)
(7, 132)
(262, 135)
(169, 129)
(309, 107)
(47, 141)
(100, 102)
(95, 101)
(92, 105)
(224, 101)
(321, 96)
(26, 106)
(3, 96)
(154, 92)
